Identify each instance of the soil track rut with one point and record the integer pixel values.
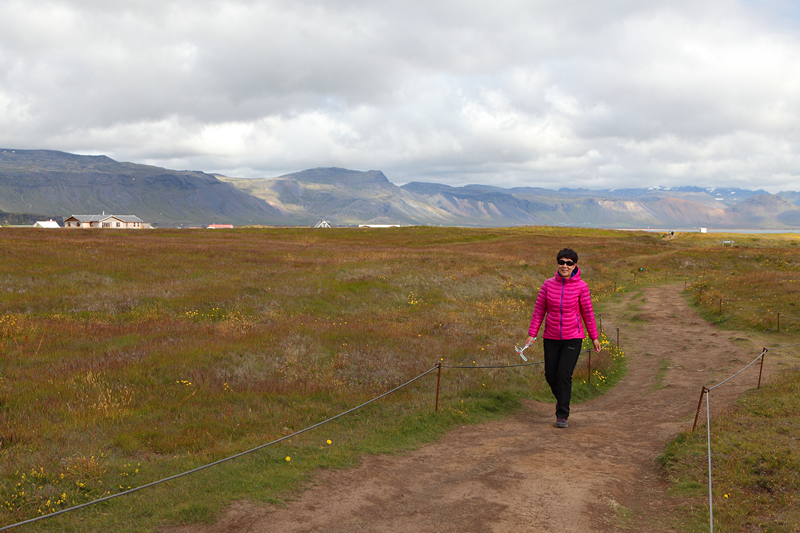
(523, 474)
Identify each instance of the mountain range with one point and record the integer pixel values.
(58, 184)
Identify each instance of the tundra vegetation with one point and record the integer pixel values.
(127, 357)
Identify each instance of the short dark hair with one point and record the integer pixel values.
(569, 253)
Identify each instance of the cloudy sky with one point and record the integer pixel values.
(582, 93)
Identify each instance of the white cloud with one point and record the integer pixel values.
(599, 94)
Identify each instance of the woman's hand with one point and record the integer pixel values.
(530, 341)
(596, 344)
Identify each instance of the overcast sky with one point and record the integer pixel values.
(556, 93)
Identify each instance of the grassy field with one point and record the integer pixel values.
(132, 356)
(756, 465)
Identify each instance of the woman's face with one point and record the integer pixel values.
(565, 267)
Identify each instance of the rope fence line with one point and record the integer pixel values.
(490, 366)
(587, 351)
(215, 463)
(708, 442)
(687, 286)
(761, 356)
(463, 367)
(438, 367)
(616, 330)
(706, 392)
(783, 347)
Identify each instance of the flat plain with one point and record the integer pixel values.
(129, 357)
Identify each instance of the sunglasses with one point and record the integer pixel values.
(567, 262)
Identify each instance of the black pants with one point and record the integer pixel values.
(560, 358)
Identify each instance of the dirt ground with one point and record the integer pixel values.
(523, 474)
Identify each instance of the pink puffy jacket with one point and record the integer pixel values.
(564, 301)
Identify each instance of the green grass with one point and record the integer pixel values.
(752, 302)
(755, 464)
(171, 349)
(131, 356)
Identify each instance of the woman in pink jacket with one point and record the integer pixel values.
(565, 300)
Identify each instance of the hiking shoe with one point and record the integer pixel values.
(561, 423)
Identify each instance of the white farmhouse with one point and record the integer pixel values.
(105, 221)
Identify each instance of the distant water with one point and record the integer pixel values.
(754, 231)
(712, 230)
(688, 230)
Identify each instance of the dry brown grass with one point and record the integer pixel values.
(173, 348)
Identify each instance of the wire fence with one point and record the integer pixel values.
(734, 306)
(614, 337)
(215, 463)
(438, 367)
(706, 391)
(603, 323)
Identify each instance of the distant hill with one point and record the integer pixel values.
(765, 210)
(343, 197)
(26, 219)
(44, 181)
(348, 197)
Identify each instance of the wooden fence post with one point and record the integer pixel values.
(697, 415)
(438, 380)
(589, 379)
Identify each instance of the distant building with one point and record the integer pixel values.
(379, 225)
(105, 222)
(322, 224)
(51, 224)
(220, 226)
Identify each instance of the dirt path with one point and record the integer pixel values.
(523, 474)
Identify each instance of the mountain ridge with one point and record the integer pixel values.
(47, 181)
